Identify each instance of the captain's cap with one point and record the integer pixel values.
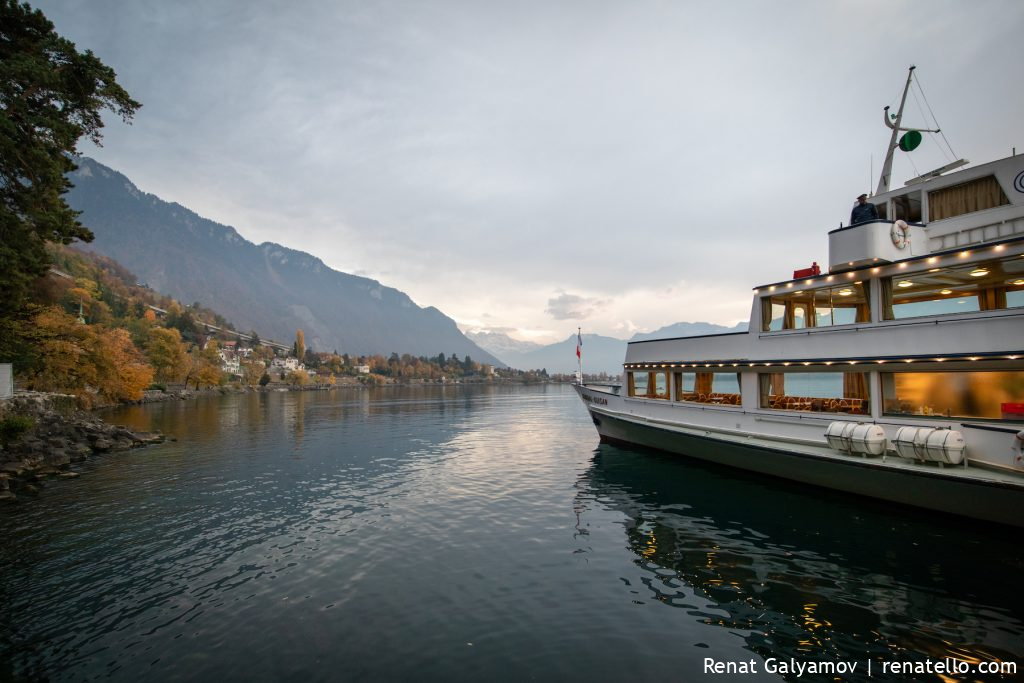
(862, 196)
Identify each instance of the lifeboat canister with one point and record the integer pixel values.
(946, 445)
(868, 439)
(910, 442)
(838, 435)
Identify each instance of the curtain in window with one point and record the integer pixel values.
(764, 387)
(778, 384)
(864, 309)
(983, 193)
(887, 312)
(789, 319)
(702, 384)
(766, 313)
(992, 299)
(855, 385)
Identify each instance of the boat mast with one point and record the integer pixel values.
(883, 180)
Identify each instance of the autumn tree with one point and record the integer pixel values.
(51, 95)
(299, 378)
(204, 366)
(167, 354)
(252, 372)
(300, 344)
(99, 365)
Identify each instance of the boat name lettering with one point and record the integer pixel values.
(595, 399)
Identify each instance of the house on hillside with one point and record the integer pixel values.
(282, 366)
(229, 360)
(286, 364)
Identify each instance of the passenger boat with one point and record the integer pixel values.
(896, 374)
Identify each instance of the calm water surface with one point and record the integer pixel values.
(470, 534)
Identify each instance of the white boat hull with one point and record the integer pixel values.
(948, 490)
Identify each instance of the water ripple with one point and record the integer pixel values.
(448, 533)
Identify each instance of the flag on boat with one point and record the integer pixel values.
(579, 343)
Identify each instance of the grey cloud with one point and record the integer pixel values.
(573, 307)
(595, 147)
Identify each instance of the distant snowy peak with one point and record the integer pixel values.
(500, 343)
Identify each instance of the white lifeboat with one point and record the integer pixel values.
(930, 444)
(856, 437)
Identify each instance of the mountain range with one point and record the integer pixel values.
(265, 287)
(599, 353)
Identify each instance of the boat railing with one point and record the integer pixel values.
(605, 387)
(987, 226)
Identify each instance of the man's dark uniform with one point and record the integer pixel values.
(863, 213)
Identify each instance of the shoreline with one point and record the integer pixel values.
(184, 394)
(44, 434)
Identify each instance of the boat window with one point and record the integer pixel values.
(977, 195)
(648, 384)
(839, 304)
(907, 207)
(722, 388)
(823, 392)
(992, 394)
(979, 286)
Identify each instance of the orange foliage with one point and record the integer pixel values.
(97, 364)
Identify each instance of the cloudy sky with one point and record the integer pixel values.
(534, 166)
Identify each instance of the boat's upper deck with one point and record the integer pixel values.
(966, 302)
(968, 208)
(950, 287)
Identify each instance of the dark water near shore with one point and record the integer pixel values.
(470, 534)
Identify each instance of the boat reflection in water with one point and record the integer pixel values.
(812, 574)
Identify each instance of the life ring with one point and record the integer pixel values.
(1018, 446)
(900, 234)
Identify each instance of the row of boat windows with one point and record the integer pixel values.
(949, 202)
(990, 285)
(985, 394)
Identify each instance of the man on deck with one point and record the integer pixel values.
(864, 211)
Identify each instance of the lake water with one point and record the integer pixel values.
(461, 533)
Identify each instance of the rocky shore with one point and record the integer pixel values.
(43, 435)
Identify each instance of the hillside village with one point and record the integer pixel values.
(99, 334)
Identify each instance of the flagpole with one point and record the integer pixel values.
(579, 351)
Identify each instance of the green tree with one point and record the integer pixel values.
(51, 95)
